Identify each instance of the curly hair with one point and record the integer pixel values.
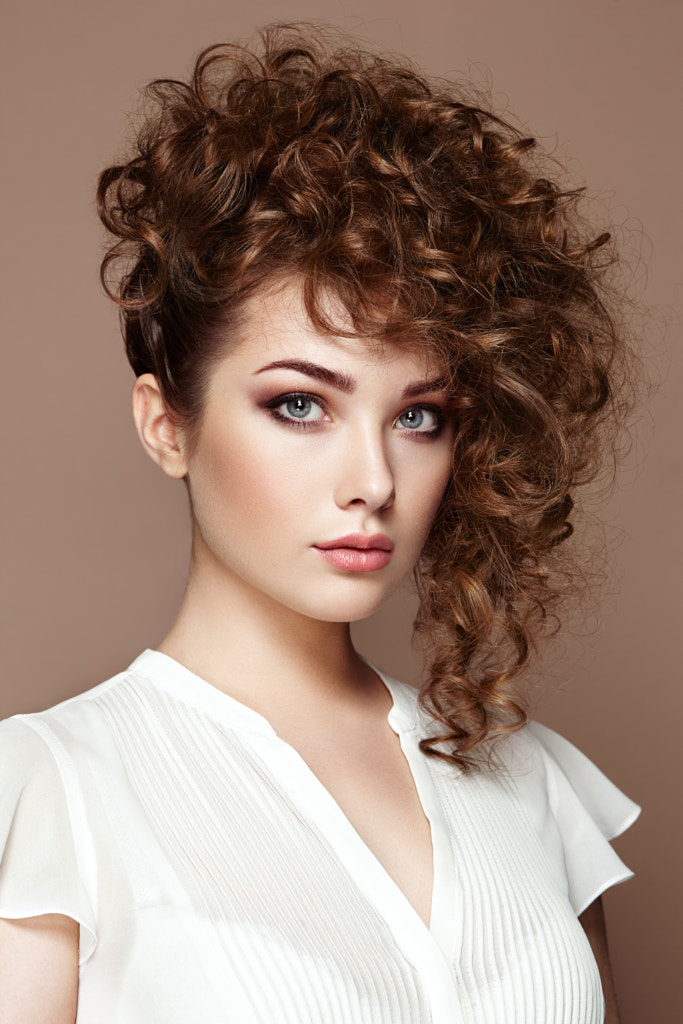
(429, 218)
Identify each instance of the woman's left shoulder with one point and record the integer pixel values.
(539, 751)
(572, 803)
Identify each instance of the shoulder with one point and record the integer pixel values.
(574, 808)
(536, 756)
(66, 714)
(47, 856)
(37, 744)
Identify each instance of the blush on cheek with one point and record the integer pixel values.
(250, 488)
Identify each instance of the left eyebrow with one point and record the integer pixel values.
(423, 386)
(343, 381)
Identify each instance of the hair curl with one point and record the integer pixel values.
(430, 220)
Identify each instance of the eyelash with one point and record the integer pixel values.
(292, 396)
(274, 404)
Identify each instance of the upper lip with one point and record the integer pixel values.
(362, 541)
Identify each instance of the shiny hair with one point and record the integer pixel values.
(431, 220)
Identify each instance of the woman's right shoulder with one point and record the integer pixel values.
(45, 844)
(39, 741)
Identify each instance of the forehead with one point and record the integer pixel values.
(274, 325)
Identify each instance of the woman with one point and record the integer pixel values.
(370, 337)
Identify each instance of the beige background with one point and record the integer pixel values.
(95, 539)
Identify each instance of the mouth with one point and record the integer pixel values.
(357, 552)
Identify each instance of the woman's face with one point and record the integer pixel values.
(319, 464)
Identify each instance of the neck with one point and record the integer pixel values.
(264, 654)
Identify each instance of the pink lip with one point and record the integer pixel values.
(357, 552)
(361, 541)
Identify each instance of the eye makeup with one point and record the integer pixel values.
(417, 412)
(300, 399)
(302, 403)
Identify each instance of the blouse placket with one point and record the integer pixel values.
(428, 950)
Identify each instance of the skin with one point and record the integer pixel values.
(265, 491)
(265, 618)
(593, 923)
(39, 970)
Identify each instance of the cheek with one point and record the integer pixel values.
(430, 480)
(246, 487)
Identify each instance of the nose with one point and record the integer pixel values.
(365, 476)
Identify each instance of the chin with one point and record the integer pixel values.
(355, 615)
(348, 608)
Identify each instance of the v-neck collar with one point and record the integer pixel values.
(430, 949)
(172, 676)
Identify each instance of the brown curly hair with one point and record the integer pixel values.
(429, 218)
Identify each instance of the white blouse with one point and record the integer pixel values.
(216, 881)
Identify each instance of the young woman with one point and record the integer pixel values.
(370, 337)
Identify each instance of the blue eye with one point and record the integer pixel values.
(411, 418)
(420, 420)
(298, 408)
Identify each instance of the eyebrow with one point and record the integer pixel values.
(343, 381)
(422, 386)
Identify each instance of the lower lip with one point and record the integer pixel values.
(356, 559)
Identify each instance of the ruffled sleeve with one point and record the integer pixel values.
(44, 848)
(588, 810)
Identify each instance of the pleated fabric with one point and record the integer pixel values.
(216, 880)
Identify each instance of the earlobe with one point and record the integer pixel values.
(156, 427)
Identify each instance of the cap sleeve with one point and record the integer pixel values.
(589, 811)
(42, 841)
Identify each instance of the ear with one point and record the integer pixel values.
(160, 435)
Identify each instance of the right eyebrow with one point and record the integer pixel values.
(341, 381)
